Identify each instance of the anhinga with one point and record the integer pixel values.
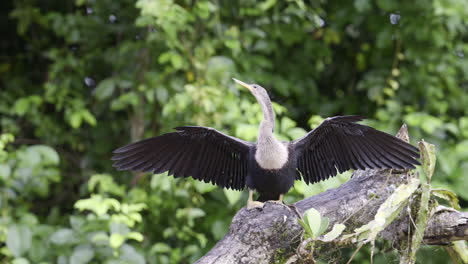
(268, 166)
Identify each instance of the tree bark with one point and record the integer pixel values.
(273, 233)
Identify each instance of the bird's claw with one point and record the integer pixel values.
(295, 210)
(291, 207)
(277, 202)
(254, 204)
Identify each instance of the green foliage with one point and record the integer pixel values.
(314, 228)
(18, 239)
(313, 223)
(80, 78)
(386, 213)
(417, 190)
(447, 195)
(428, 157)
(336, 231)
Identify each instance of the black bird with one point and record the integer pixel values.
(267, 166)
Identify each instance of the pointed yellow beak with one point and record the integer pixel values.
(243, 84)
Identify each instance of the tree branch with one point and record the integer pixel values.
(272, 233)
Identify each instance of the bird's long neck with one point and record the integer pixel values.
(271, 154)
(267, 126)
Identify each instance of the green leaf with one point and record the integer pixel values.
(88, 117)
(119, 228)
(21, 106)
(19, 238)
(315, 121)
(427, 122)
(5, 171)
(232, 196)
(177, 61)
(323, 225)
(77, 222)
(105, 89)
(160, 248)
(386, 213)
(125, 100)
(204, 9)
(63, 236)
(80, 2)
(334, 233)
(460, 182)
(30, 157)
(219, 68)
(100, 238)
(62, 259)
(307, 229)
(29, 219)
(48, 154)
(201, 187)
(82, 255)
(464, 126)
(98, 204)
(387, 5)
(130, 255)
(362, 5)
(104, 183)
(135, 236)
(428, 158)
(450, 196)
(7, 137)
(165, 57)
(116, 240)
(20, 261)
(219, 229)
(202, 240)
(287, 123)
(265, 5)
(461, 249)
(39, 249)
(313, 220)
(296, 132)
(195, 212)
(75, 119)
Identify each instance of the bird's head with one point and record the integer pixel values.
(258, 91)
(264, 100)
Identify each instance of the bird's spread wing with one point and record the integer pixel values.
(203, 153)
(339, 143)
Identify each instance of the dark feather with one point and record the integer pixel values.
(203, 153)
(340, 143)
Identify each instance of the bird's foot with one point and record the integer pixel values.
(291, 207)
(277, 202)
(254, 204)
(295, 210)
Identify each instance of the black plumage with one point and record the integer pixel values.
(336, 145)
(201, 152)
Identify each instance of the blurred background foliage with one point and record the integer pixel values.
(81, 78)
